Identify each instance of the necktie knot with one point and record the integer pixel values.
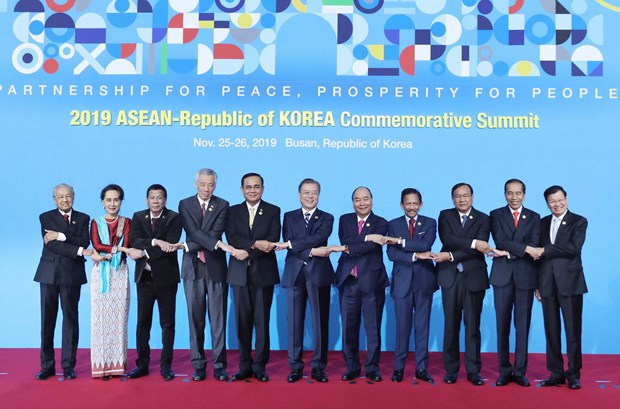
(360, 226)
(66, 217)
(203, 207)
(463, 220)
(251, 217)
(307, 218)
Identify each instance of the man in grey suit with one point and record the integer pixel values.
(414, 281)
(61, 274)
(308, 276)
(516, 232)
(203, 271)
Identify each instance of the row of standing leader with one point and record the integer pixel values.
(253, 233)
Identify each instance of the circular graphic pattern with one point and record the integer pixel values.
(50, 66)
(268, 20)
(485, 53)
(51, 50)
(230, 6)
(66, 51)
(438, 68)
(369, 6)
(500, 68)
(27, 58)
(360, 52)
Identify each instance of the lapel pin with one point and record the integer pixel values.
(563, 222)
(146, 216)
(316, 217)
(471, 217)
(210, 208)
(72, 221)
(367, 224)
(524, 216)
(419, 223)
(260, 212)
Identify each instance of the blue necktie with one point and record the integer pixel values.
(306, 218)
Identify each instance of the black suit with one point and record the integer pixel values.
(205, 280)
(157, 278)
(514, 280)
(463, 283)
(364, 294)
(253, 279)
(306, 279)
(61, 274)
(562, 284)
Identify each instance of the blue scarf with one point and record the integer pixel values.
(115, 262)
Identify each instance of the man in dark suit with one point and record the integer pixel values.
(413, 282)
(308, 276)
(561, 285)
(154, 234)
(361, 278)
(516, 233)
(462, 276)
(61, 274)
(252, 229)
(203, 270)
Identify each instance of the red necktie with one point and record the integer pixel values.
(516, 217)
(411, 228)
(66, 217)
(201, 253)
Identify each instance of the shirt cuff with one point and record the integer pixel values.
(473, 244)
(61, 237)
(80, 250)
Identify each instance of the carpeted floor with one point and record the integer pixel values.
(18, 388)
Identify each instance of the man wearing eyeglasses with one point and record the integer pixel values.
(308, 276)
(462, 276)
(61, 274)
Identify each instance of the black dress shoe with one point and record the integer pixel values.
(167, 374)
(422, 375)
(199, 375)
(397, 376)
(573, 383)
(374, 376)
(502, 380)
(351, 375)
(450, 378)
(68, 374)
(242, 376)
(553, 381)
(319, 375)
(475, 379)
(139, 372)
(220, 374)
(261, 376)
(521, 381)
(294, 376)
(43, 374)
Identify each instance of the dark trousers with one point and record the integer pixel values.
(353, 304)
(69, 296)
(571, 307)
(512, 301)
(166, 298)
(297, 297)
(252, 311)
(413, 310)
(459, 302)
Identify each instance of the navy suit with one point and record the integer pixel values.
(306, 279)
(463, 283)
(204, 284)
(514, 280)
(562, 284)
(412, 287)
(364, 294)
(61, 273)
(156, 282)
(253, 279)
